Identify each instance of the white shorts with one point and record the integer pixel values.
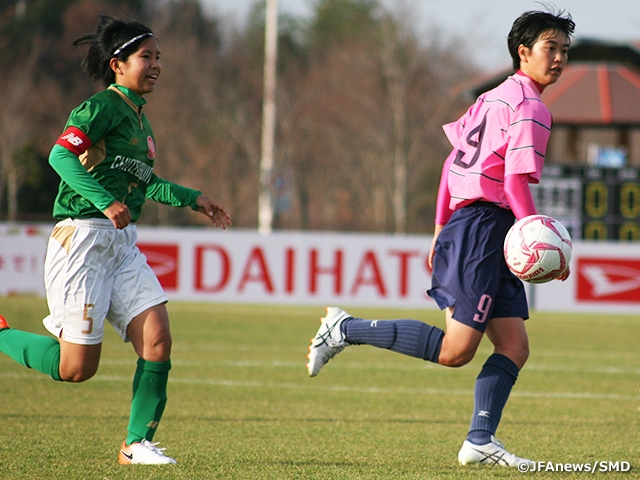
(94, 272)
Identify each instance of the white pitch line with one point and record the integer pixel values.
(594, 370)
(611, 370)
(351, 388)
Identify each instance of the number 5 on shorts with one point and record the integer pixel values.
(87, 318)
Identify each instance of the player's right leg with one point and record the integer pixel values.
(56, 358)
(78, 363)
(42, 353)
(80, 254)
(414, 338)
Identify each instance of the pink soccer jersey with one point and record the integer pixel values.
(504, 133)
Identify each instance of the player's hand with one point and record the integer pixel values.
(214, 211)
(119, 214)
(564, 275)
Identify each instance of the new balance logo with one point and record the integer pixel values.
(72, 138)
(374, 323)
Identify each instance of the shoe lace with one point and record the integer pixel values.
(505, 454)
(497, 441)
(153, 447)
(327, 337)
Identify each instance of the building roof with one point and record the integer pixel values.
(599, 87)
(595, 94)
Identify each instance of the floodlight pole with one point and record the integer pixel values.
(265, 203)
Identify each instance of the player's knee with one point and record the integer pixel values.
(455, 359)
(524, 353)
(77, 375)
(518, 352)
(158, 349)
(521, 355)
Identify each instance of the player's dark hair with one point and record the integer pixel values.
(113, 38)
(528, 27)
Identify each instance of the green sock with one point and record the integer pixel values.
(149, 399)
(33, 351)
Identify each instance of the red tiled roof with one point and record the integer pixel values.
(595, 93)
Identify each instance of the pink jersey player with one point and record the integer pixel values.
(498, 150)
(504, 133)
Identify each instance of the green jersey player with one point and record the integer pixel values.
(93, 269)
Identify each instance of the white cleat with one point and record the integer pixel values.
(493, 453)
(143, 453)
(328, 342)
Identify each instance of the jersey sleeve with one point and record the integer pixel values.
(454, 130)
(68, 166)
(518, 193)
(168, 193)
(94, 118)
(443, 201)
(528, 133)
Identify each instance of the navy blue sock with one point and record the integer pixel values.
(409, 337)
(492, 389)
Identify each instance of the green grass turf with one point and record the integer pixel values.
(241, 405)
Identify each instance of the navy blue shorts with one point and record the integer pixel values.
(469, 271)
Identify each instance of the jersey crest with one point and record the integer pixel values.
(151, 154)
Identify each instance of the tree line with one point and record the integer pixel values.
(360, 99)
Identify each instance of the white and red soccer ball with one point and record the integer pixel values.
(537, 248)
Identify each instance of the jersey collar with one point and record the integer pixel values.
(536, 84)
(137, 100)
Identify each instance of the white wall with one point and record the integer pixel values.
(313, 268)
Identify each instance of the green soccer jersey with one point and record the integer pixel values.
(114, 142)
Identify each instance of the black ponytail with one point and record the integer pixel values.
(112, 38)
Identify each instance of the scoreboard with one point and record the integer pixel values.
(594, 203)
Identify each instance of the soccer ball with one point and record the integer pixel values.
(537, 248)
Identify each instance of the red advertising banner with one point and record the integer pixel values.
(608, 279)
(164, 261)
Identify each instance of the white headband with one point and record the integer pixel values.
(133, 40)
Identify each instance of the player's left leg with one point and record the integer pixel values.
(138, 313)
(151, 338)
(492, 389)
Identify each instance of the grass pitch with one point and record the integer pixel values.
(241, 405)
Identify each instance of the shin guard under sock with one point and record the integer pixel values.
(39, 352)
(149, 399)
(409, 337)
(492, 389)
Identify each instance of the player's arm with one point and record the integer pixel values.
(67, 165)
(163, 191)
(214, 211)
(168, 193)
(518, 193)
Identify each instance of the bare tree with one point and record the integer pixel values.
(359, 144)
(360, 126)
(16, 125)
